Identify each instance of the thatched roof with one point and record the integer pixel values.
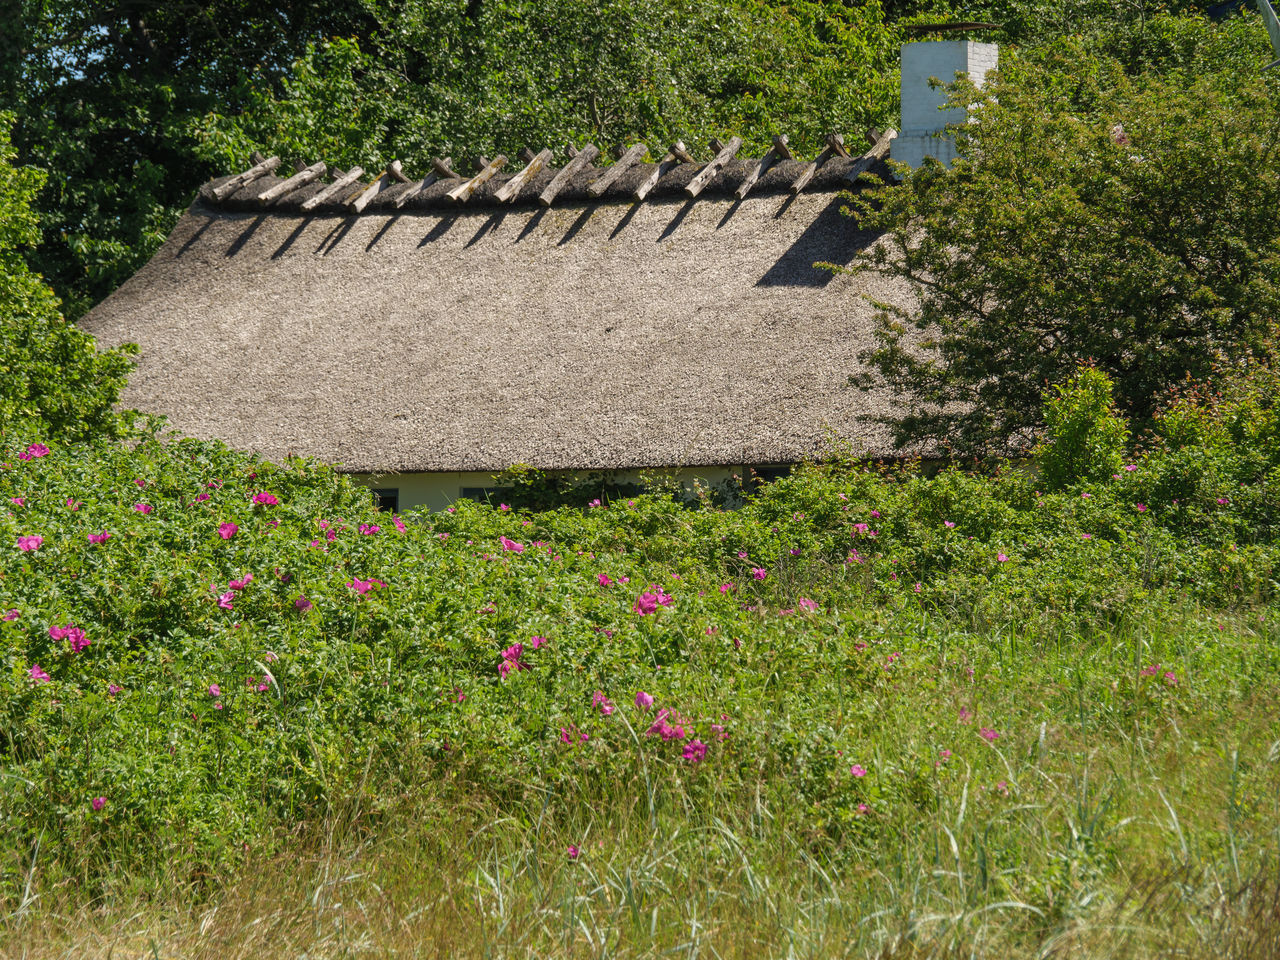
(589, 335)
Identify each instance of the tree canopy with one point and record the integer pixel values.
(1093, 216)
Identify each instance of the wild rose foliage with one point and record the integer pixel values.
(268, 629)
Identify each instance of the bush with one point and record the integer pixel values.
(1083, 439)
(1091, 217)
(52, 377)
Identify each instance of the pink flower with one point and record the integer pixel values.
(965, 715)
(1140, 507)
(302, 604)
(265, 499)
(72, 504)
(1151, 670)
(1129, 468)
(369, 529)
(98, 803)
(726, 587)
(398, 524)
(18, 501)
(201, 497)
(948, 524)
(215, 690)
(364, 586)
(13, 614)
(858, 770)
(1170, 678)
(227, 530)
(594, 503)
(140, 482)
(226, 600)
(1001, 558)
(102, 537)
(143, 507)
(643, 700)
(989, 735)
(241, 583)
(30, 544)
(71, 633)
(573, 852)
(646, 603)
(537, 642)
(511, 660)
(1223, 501)
(863, 809)
(759, 573)
(511, 545)
(694, 751)
(598, 699)
(34, 452)
(112, 689)
(604, 580)
(808, 605)
(742, 554)
(38, 675)
(503, 507)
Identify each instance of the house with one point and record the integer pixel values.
(424, 334)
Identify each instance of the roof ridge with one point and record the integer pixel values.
(676, 175)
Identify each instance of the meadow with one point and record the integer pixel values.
(873, 711)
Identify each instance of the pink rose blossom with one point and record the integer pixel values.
(1001, 558)
(34, 452)
(989, 735)
(143, 508)
(30, 544)
(598, 699)
(398, 524)
(858, 770)
(604, 580)
(643, 700)
(759, 573)
(102, 537)
(369, 529)
(98, 803)
(227, 600)
(215, 690)
(38, 675)
(265, 499)
(511, 545)
(694, 751)
(302, 604)
(807, 605)
(574, 852)
(364, 586)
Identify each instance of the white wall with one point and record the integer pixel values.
(437, 490)
(922, 121)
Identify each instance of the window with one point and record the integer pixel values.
(387, 498)
(480, 494)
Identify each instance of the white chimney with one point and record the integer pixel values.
(922, 134)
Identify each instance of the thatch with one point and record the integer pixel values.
(584, 336)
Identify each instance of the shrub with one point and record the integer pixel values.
(1083, 439)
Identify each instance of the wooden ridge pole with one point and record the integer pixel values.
(260, 169)
(707, 173)
(779, 151)
(511, 189)
(299, 179)
(580, 159)
(619, 167)
(463, 192)
(345, 180)
(425, 182)
(357, 203)
(835, 147)
(675, 156)
(879, 151)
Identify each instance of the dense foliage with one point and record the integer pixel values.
(1125, 222)
(200, 638)
(51, 374)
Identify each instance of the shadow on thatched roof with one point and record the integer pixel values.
(581, 335)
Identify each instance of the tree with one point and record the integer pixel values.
(53, 381)
(1091, 217)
